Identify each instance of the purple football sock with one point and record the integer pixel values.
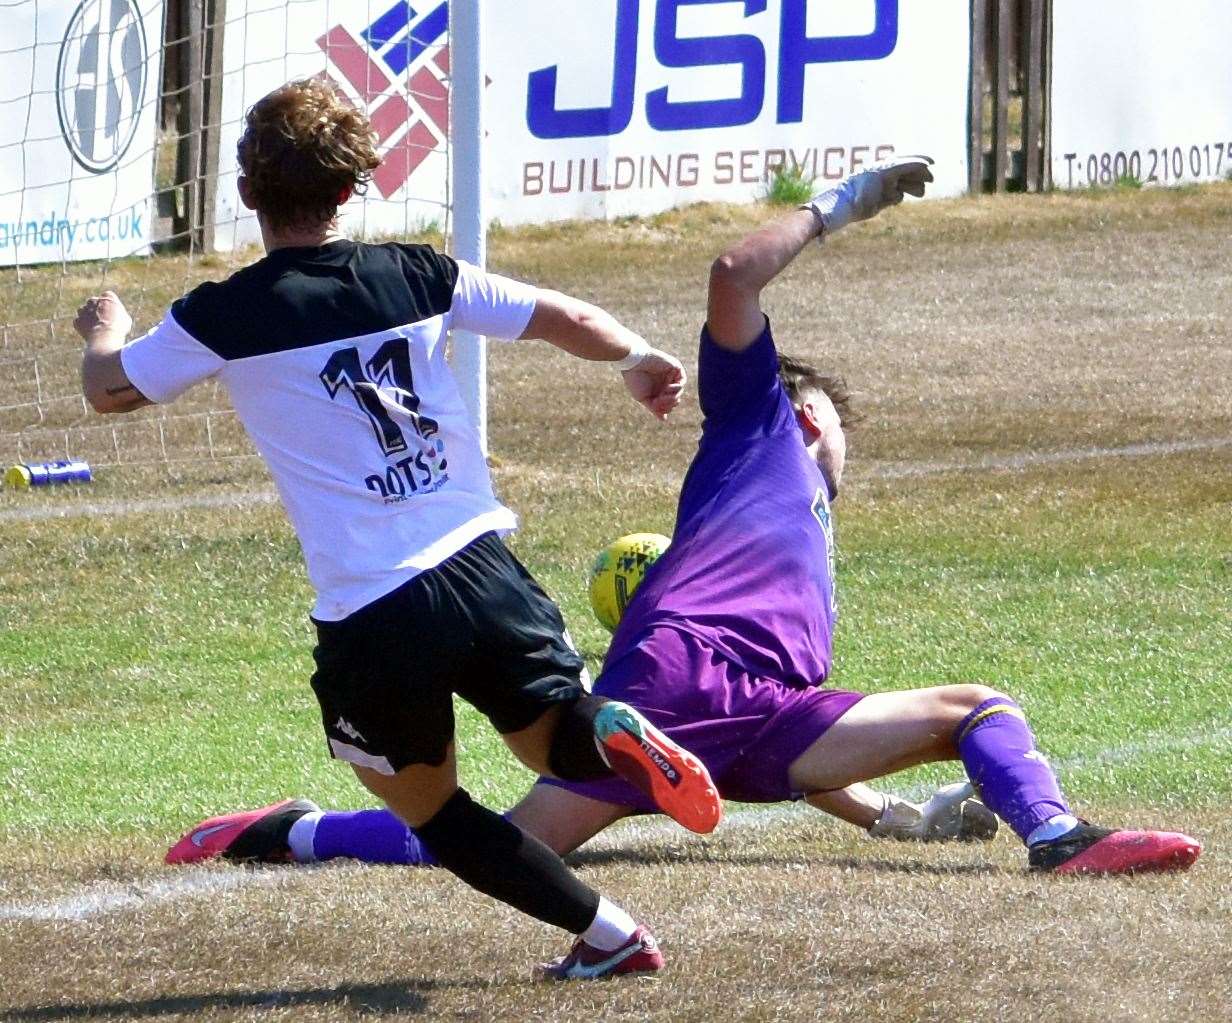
(1013, 779)
(374, 836)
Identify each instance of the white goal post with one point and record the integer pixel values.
(470, 220)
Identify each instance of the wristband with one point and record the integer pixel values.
(638, 351)
(822, 231)
(832, 208)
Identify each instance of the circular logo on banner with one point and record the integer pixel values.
(100, 81)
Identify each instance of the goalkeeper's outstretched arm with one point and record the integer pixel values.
(739, 275)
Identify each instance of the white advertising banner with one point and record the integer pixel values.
(79, 88)
(606, 108)
(1141, 89)
(388, 58)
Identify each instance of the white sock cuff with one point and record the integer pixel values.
(301, 837)
(1053, 828)
(612, 927)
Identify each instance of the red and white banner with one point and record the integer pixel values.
(390, 60)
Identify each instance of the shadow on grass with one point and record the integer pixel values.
(648, 857)
(407, 997)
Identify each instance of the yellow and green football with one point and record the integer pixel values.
(618, 572)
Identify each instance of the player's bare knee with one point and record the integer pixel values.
(975, 693)
(958, 701)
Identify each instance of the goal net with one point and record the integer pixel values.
(118, 126)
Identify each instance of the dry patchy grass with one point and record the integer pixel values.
(794, 920)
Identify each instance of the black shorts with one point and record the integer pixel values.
(477, 625)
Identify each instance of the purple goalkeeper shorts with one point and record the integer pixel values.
(747, 730)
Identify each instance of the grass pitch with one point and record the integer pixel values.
(1039, 499)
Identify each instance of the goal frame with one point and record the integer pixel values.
(470, 220)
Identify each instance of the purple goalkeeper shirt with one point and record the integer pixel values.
(750, 567)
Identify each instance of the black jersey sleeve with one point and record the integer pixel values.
(431, 277)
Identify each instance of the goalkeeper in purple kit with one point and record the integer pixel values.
(726, 646)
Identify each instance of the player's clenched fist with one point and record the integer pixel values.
(657, 381)
(103, 312)
(866, 194)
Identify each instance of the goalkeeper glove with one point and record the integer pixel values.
(952, 813)
(864, 195)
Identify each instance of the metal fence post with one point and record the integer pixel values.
(1033, 94)
(975, 110)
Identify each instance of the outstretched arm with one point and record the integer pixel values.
(733, 311)
(738, 276)
(654, 378)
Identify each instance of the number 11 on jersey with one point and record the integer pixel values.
(384, 380)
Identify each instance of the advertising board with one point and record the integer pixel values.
(392, 60)
(79, 90)
(609, 108)
(616, 107)
(1141, 90)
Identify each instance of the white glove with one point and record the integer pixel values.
(899, 819)
(952, 813)
(864, 195)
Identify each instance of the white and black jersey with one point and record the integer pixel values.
(334, 358)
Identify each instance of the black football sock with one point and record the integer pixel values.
(499, 859)
(574, 755)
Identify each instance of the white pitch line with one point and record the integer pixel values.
(140, 506)
(876, 471)
(1028, 459)
(1152, 746)
(111, 898)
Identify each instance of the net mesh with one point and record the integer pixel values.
(118, 126)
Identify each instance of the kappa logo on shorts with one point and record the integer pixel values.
(348, 729)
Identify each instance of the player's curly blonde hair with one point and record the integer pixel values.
(304, 151)
(799, 378)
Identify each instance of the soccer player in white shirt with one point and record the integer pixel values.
(333, 353)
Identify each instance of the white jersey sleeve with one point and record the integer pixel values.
(490, 304)
(167, 361)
